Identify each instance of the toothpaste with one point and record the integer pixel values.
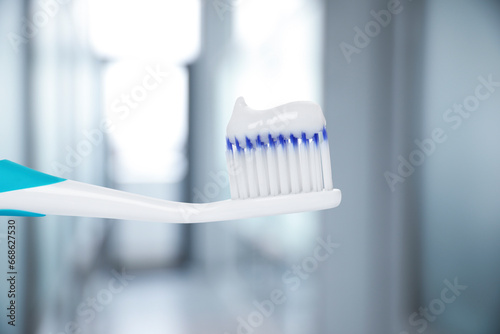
(289, 119)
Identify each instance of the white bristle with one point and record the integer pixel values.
(272, 166)
(281, 166)
(317, 173)
(253, 190)
(241, 174)
(304, 164)
(231, 166)
(262, 174)
(325, 159)
(293, 161)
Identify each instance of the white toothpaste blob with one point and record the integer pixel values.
(292, 118)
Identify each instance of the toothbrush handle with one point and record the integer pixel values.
(25, 192)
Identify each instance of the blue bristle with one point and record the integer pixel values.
(249, 143)
(304, 138)
(294, 140)
(281, 140)
(271, 141)
(238, 147)
(316, 139)
(259, 142)
(325, 135)
(229, 145)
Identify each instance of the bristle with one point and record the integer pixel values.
(232, 170)
(261, 161)
(272, 167)
(316, 164)
(325, 159)
(304, 163)
(241, 174)
(251, 170)
(293, 161)
(285, 164)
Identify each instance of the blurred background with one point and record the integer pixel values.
(135, 95)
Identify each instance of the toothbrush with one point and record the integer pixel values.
(278, 162)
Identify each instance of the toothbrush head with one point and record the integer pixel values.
(279, 151)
